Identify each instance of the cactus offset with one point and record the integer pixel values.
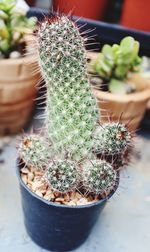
(34, 151)
(62, 176)
(99, 177)
(71, 110)
(112, 138)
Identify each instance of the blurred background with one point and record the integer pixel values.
(124, 225)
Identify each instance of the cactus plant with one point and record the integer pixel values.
(33, 150)
(62, 175)
(71, 115)
(112, 138)
(99, 177)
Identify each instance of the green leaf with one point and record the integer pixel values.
(3, 15)
(107, 52)
(7, 5)
(121, 71)
(4, 33)
(117, 87)
(127, 45)
(4, 46)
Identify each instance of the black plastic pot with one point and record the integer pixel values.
(57, 227)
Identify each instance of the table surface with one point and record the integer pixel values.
(124, 225)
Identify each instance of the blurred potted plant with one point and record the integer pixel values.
(121, 81)
(82, 8)
(17, 80)
(64, 185)
(133, 17)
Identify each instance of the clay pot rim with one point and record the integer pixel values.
(24, 59)
(50, 203)
(137, 96)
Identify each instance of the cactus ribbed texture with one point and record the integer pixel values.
(34, 151)
(71, 112)
(99, 177)
(62, 175)
(112, 138)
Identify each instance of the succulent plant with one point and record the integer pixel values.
(115, 62)
(71, 113)
(13, 26)
(112, 138)
(34, 151)
(71, 117)
(62, 175)
(99, 177)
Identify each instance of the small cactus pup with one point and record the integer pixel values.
(113, 142)
(99, 177)
(71, 112)
(34, 151)
(62, 176)
(112, 138)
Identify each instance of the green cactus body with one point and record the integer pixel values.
(112, 138)
(62, 175)
(71, 118)
(99, 177)
(34, 151)
(71, 112)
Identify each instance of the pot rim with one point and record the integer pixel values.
(25, 59)
(137, 96)
(50, 203)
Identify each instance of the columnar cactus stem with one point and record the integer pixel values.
(71, 113)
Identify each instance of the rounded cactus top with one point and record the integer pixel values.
(62, 175)
(99, 177)
(111, 138)
(34, 151)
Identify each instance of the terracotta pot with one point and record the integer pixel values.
(136, 14)
(82, 8)
(17, 93)
(131, 107)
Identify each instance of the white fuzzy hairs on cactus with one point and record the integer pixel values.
(71, 112)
